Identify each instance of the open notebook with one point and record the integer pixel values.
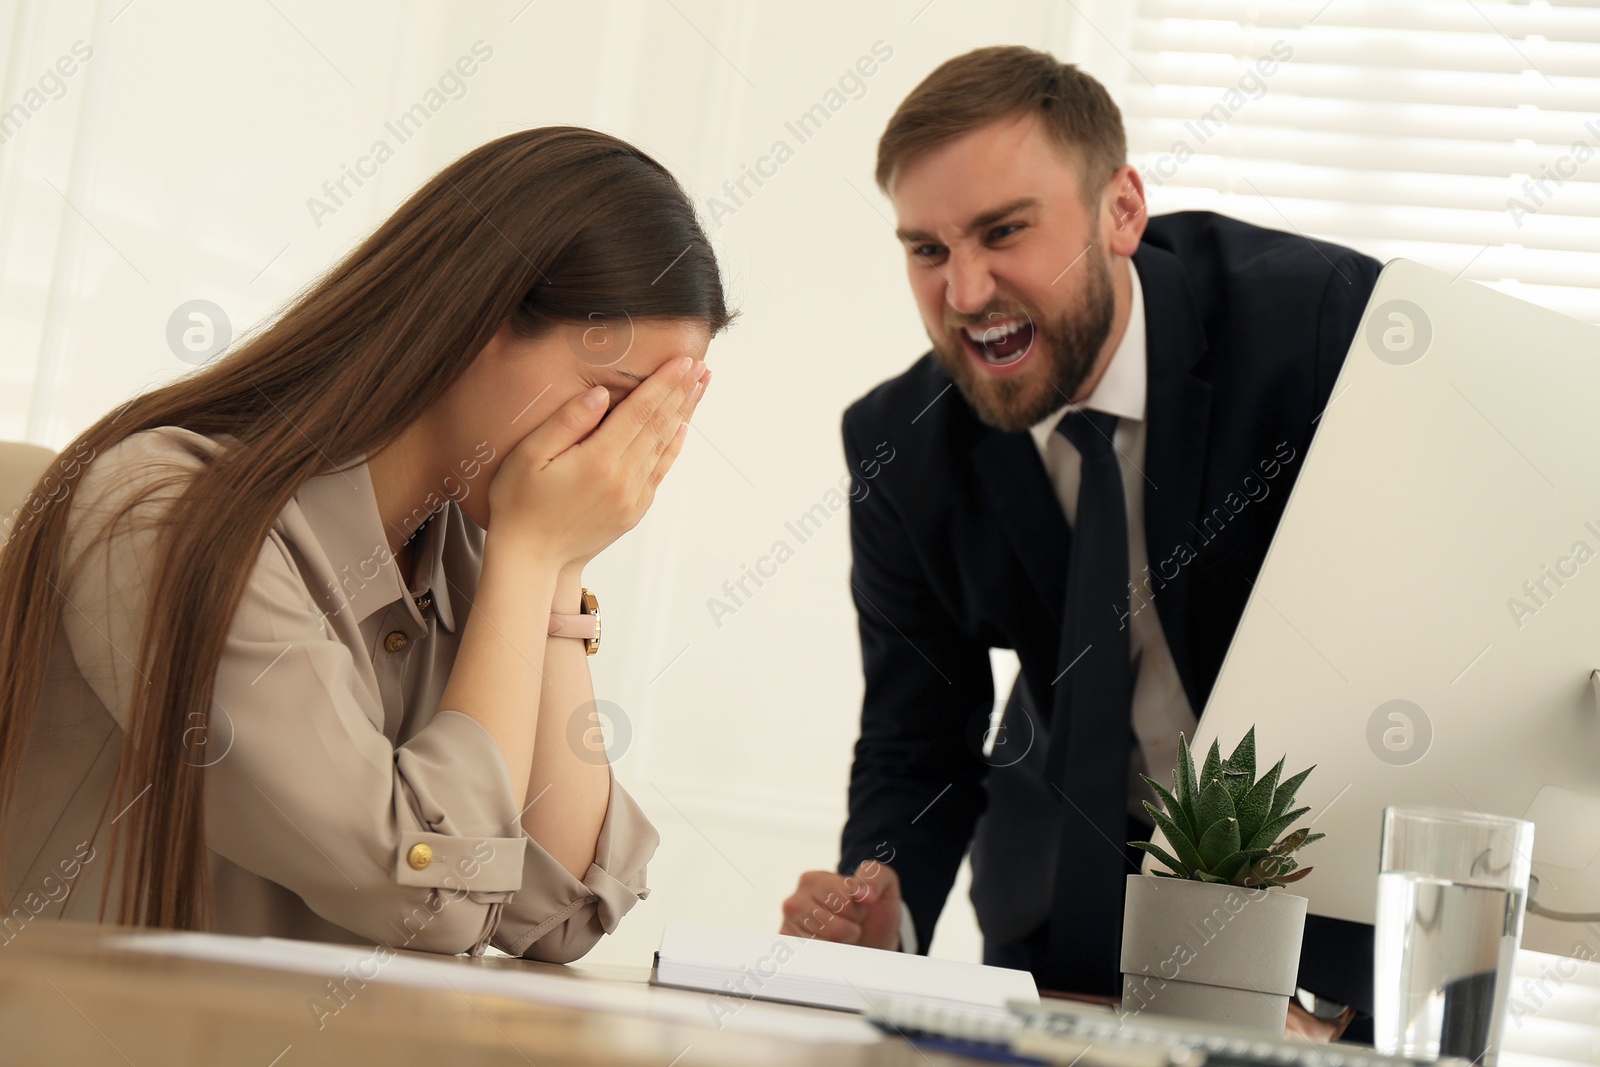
(742, 965)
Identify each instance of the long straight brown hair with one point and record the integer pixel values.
(541, 227)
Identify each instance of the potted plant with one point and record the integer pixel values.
(1213, 937)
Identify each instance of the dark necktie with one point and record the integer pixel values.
(1090, 724)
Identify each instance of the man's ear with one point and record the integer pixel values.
(1124, 215)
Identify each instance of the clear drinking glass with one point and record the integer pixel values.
(1451, 890)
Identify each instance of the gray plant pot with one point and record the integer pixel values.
(1213, 953)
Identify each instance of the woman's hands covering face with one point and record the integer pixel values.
(577, 483)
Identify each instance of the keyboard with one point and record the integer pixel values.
(1058, 1031)
(1087, 1035)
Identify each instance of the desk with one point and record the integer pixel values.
(69, 996)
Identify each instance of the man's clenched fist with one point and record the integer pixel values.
(859, 909)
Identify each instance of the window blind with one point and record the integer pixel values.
(1464, 134)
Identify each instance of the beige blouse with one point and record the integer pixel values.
(327, 763)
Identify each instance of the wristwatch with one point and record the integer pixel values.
(585, 627)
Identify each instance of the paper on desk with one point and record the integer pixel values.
(463, 977)
(747, 964)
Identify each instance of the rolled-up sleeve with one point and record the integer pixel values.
(463, 838)
(556, 917)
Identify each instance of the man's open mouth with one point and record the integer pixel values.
(1000, 342)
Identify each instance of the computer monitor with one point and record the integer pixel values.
(1427, 621)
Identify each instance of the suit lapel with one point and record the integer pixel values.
(1178, 409)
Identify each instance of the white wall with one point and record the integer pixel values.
(178, 165)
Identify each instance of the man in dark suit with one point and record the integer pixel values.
(1087, 468)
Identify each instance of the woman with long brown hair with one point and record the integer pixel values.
(297, 644)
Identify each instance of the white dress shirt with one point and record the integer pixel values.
(1160, 706)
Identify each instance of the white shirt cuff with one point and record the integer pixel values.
(908, 930)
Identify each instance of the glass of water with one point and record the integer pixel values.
(1451, 889)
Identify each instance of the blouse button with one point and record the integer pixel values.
(395, 641)
(419, 857)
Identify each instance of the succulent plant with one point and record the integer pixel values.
(1225, 824)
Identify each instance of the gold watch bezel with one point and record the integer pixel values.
(589, 604)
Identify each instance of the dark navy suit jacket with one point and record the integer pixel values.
(960, 545)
